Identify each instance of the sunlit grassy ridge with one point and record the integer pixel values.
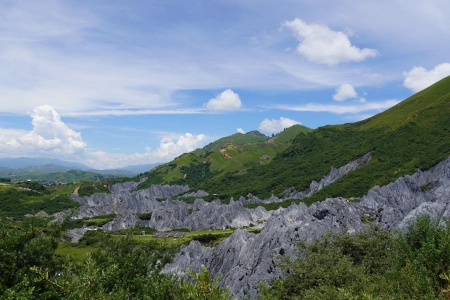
(412, 135)
(232, 155)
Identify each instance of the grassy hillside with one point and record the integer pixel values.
(415, 134)
(233, 155)
(17, 200)
(235, 139)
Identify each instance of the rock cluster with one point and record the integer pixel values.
(168, 214)
(245, 259)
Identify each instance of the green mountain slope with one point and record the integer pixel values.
(233, 155)
(235, 139)
(415, 134)
(18, 199)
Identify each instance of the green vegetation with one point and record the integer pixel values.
(374, 264)
(52, 178)
(117, 268)
(90, 188)
(228, 156)
(97, 221)
(235, 139)
(17, 200)
(210, 239)
(412, 135)
(145, 216)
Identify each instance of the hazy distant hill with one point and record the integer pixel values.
(25, 168)
(24, 162)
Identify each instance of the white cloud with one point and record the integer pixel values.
(49, 136)
(227, 100)
(344, 92)
(419, 78)
(240, 130)
(322, 45)
(168, 149)
(276, 125)
(341, 109)
(362, 100)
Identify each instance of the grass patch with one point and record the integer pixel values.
(144, 216)
(97, 221)
(75, 251)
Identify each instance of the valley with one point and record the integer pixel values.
(244, 203)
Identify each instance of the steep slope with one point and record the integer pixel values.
(412, 135)
(234, 139)
(245, 260)
(234, 155)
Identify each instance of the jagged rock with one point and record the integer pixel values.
(120, 202)
(331, 177)
(244, 258)
(74, 235)
(401, 199)
(125, 186)
(198, 194)
(41, 214)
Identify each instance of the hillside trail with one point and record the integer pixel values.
(75, 192)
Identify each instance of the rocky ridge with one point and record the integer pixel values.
(171, 214)
(245, 260)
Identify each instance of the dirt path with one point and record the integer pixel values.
(75, 192)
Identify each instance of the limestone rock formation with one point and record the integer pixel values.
(245, 259)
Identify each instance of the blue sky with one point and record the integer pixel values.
(114, 83)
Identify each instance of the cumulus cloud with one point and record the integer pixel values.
(418, 78)
(344, 92)
(240, 130)
(276, 125)
(320, 44)
(49, 135)
(227, 100)
(168, 149)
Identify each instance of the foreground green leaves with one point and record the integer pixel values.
(375, 264)
(121, 268)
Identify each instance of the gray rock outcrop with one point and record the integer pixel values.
(245, 259)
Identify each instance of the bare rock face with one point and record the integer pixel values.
(125, 186)
(123, 200)
(168, 214)
(244, 258)
(404, 199)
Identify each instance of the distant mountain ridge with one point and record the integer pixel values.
(47, 170)
(52, 165)
(24, 162)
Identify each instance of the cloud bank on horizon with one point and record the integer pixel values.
(104, 84)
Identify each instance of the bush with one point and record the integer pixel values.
(145, 216)
(374, 264)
